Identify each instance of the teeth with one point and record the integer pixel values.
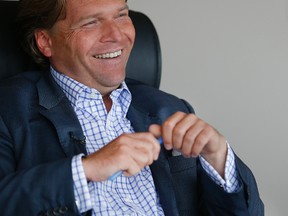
(109, 55)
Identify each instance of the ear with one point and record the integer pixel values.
(43, 42)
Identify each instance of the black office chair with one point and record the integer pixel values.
(144, 63)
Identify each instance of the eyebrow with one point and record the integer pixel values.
(125, 7)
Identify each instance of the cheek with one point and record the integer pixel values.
(83, 42)
(73, 43)
(132, 37)
(130, 32)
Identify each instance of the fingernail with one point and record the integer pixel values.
(168, 147)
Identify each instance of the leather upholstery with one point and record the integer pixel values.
(144, 64)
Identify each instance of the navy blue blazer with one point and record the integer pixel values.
(40, 133)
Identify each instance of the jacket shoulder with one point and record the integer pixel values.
(15, 92)
(19, 81)
(154, 100)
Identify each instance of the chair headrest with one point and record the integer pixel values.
(144, 63)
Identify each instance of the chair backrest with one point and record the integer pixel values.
(144, 63)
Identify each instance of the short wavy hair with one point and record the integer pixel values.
(40, 14)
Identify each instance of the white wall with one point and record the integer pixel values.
(230, 60)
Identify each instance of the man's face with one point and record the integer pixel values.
(92, 44)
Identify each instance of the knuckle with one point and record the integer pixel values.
(200, 140)
(179, 131)
(189, 138)
(179, 113)
(122, 149)
(192, 116)
(208, 132)
(122, 138)
(133, 170)
(122, 156)
(143, 160)
(168, 125)
(201, 122)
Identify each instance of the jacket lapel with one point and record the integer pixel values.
(140, 121)
(68, 128)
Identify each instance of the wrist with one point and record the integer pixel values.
(217, 159)
(86, 168)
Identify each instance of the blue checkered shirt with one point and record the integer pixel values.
(124, 196)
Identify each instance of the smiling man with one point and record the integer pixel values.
(82, 121)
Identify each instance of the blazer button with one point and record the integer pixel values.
(63, 209)
(56, 212)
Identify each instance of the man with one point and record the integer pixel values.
(66, 131)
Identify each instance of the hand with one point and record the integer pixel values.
(128, 152)
(192, 136)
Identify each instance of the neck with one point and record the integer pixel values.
(107, 102)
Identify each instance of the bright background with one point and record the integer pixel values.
(229, 59)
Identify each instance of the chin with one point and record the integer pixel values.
(115, 82)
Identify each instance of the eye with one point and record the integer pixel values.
(90, 23)
(123, 14)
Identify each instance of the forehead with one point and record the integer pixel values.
(78, 10)
(74, 6)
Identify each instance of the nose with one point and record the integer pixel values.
(111, 32)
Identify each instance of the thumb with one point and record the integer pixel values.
(155, 130)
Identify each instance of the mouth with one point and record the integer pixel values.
(109, 55)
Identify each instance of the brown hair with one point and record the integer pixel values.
(38, 14)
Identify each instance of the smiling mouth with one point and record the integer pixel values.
(109, 55)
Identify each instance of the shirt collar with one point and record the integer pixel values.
(74, 89)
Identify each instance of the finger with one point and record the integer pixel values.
(190, 137)
(127, 152)
(135, 163)
(129, 147)
(201, 141)
(180, 130)
(147, 144)
(139, 160)
(168, 127)
(143, 154)
(155, 130)
(132, 169)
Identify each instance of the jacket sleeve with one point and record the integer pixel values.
(215, 201)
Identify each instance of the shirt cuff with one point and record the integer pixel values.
(81, 189)
(231, 183)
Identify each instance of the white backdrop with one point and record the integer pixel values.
(230, 60)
